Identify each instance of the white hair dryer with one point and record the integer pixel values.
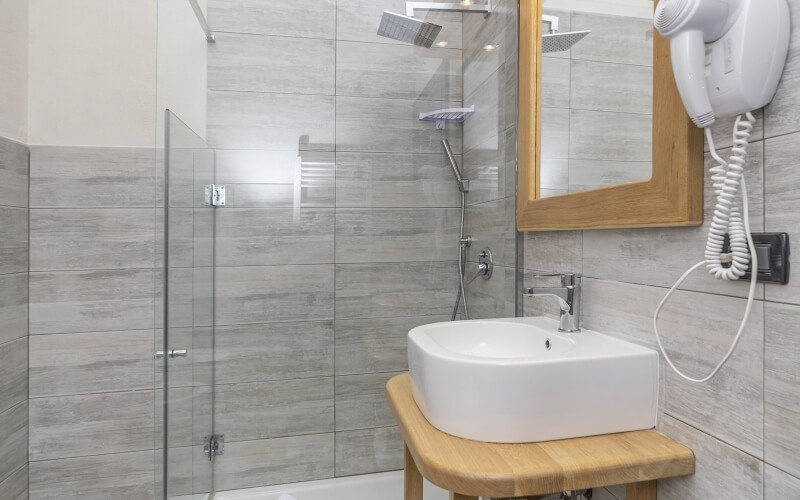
(727, 55)
(728, 58)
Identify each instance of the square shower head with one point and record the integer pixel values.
(407, 29)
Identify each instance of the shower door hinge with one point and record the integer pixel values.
(215, 445)
(215, 195)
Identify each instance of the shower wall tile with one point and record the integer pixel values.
(253, 237)
(358, 20)
(72, 239)
(318, 193)
(361, 401)
(251, 464)
(491, 168)
(377, 344)
(489, 42)
(81, 363)
(495, 298)
(392, 125)
(258, 63)
(85, 177)
(616, 39)
(279, 122)
(782, 387)
(395, 289)
(300, 18)
(295, 407)
(630, 138)
(269, 179)
(782, 212)
(495, 106)
(14, 445)
(375, 180)
(13, 240)
(75, 426)
(273, 351)
(259, 294)
(368, 451)
(122, 475)
(492, 224)
(396, 235)
(374, 70)
(555, 82)
(91, 301)
(590, 174)
(16, 486)
(13, 373)
(778, 484)
(14, 170)
(621, 88)
(717, 464)
(13, 307)
(555, 133)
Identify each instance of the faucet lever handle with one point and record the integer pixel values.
(567, 279)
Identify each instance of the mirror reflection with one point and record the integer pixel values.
(597, 94)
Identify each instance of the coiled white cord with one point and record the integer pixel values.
(727, 177)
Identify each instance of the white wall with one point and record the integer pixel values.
(182, 75)
(627, 8)
(92, 78)
(14, 69)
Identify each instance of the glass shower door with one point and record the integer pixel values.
(189, 312)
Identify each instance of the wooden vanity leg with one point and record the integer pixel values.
(646, 490)
(459, 496)
(413, 478)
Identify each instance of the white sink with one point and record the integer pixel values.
(497, 381)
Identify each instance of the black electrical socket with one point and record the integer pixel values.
(772, 250)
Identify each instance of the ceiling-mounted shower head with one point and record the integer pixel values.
(407, 29)
(560, 42)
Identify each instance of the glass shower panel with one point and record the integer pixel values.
(189, 327)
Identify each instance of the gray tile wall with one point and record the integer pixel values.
(490, 154)
(742, 425)
(92, 294)
(14, 177)
(340, 231)
(597, 104)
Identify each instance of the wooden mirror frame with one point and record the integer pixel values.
(673, 196)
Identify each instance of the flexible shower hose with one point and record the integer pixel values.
(462, 294)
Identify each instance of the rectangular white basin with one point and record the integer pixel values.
(519, 380)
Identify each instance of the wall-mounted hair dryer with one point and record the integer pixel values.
(728, 58)
(727, 55)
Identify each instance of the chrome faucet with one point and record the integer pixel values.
(568, 296)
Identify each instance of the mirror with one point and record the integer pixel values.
(604, 139)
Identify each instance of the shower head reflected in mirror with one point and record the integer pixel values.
(407, 29)
(559, 42)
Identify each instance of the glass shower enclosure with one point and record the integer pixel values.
(287, 310)
(188, 348)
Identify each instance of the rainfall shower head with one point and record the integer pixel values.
(407, 29)
(559, 42)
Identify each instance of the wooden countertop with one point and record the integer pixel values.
(511, 470)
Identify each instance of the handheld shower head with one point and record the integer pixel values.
(407, 29)
(463, 185)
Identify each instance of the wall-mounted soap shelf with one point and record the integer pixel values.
(442, 116)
